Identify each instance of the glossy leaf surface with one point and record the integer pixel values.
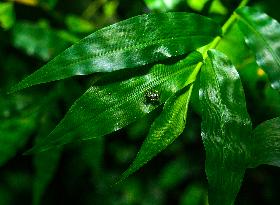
(266, 143)
(104, 109)
(262, 36)
(226, 128)
(165, 129)
(134, 42)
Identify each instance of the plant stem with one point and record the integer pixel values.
(225, 28)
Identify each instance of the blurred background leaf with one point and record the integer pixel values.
(7, 15)
(86, 170)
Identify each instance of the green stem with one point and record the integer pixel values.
(225, 28)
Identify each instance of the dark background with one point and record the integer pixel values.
(85, 173)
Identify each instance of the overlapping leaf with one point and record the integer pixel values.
(104, 109)
(266, 143)
(262, 36)
(127, 44)
(226, 128)
(165, 129)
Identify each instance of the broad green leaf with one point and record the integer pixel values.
(38, 40)
(266, 143)
(262, 36)
(134, 42)
(165, 129)
(226, 128)
(7, 15)
(104, 109)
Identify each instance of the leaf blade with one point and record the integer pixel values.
(104, 109)
(226, 128)
(262, 36)
(265, 146)
(128, 44)
(164, 130)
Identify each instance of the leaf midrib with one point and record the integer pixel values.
(127, 99)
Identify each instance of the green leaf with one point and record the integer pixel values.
(226, 128)
(262, 36)
(78, 25)
(134, 42)
(266, 143)
(14, 134)
(162, 5)
(195, 194)
(38, 40)
(45, 163)
(7, 15)
(49, 4)
(104, 109)
(165, 129)
(197, 5)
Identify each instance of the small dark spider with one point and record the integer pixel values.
(152, 97)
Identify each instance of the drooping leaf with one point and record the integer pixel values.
(7, 15)
(262, 36)
(266, 143)
(127, 44)
(104, 109)
(38, 40)
(226, 128)
(165, 129)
